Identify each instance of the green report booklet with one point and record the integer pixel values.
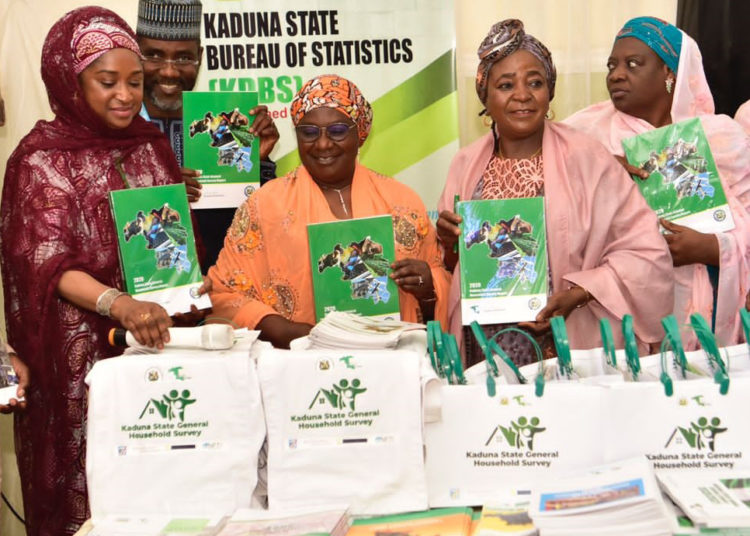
(219, 143)
(350, 262)
(684, 185)
(503, 256)
(157, 246)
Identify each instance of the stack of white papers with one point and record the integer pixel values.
(711, 499)
(352, 331)
(615, 499)
(246, 522)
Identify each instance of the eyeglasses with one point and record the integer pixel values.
(334, 131)
(180, 63)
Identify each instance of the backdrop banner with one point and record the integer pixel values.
(400, 55)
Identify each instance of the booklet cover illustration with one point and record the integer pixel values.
(435, 522)
(157, 246)
(218, 142)
(684, 184)
(350, 261)
(503, 257)
(582, 498)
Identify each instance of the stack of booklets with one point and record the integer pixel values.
(437, 522)
(116, 525)
(506, 516)
(711, 499)
(616, 499)
(246, 522)
(349, 330)
(687, 528)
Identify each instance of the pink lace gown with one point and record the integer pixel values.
(55, 217)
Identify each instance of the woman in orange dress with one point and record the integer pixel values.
(262, 279)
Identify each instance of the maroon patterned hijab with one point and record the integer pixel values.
(76, 125)
(55, 217)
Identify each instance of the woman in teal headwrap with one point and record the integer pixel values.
(656, 78)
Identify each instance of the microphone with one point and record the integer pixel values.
(209, 336)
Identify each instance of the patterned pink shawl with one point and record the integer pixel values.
(601, 235)
(742, 116)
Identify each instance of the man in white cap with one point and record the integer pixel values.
(168, 33)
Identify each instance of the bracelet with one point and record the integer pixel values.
(589, 297)
(106, 299)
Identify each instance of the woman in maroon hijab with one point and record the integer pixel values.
(60, 265)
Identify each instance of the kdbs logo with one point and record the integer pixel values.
(518, 434)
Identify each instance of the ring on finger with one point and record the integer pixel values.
(420, 282)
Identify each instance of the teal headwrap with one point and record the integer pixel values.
(661, 37)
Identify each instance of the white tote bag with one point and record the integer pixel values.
(483, 444)
(697, 428)
(344, 428)
(173, 433)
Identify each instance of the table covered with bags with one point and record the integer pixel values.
(401, 429)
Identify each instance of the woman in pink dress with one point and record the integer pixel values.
(606, 256)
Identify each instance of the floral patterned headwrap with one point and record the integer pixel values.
(660, 36)
(95, 37)
(332, 91)
(503, 39)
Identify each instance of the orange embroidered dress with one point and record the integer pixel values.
(264, 267)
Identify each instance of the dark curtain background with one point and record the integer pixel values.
(722, 30)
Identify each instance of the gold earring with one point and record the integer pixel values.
(550, 114)
(487, 121)
(669, 82)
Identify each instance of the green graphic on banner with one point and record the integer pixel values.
(350, 262)
(684, 184)
(503, 258)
